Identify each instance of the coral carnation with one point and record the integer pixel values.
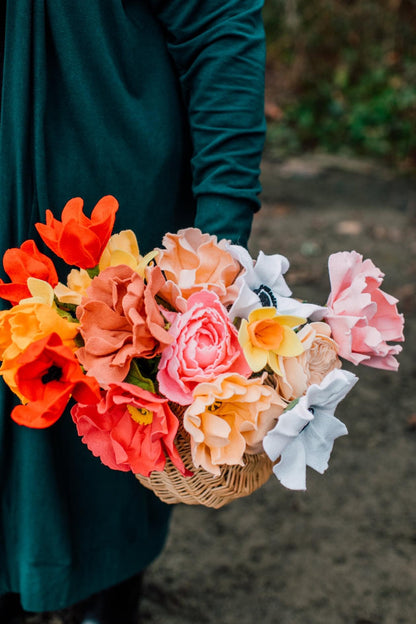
(120, 320)
(129, 429)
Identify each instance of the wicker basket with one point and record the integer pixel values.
(204, 488)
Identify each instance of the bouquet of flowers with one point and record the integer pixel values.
(193, 366)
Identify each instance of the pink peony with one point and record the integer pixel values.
(205, 345)
(362, 317)
(191, 262)
(129, 429)
(120, 320)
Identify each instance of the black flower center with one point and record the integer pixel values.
(54, 373)
(266, 296)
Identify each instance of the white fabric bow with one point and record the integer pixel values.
(304, 434)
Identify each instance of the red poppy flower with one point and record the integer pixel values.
(48, 375)
(130, 429)
(22, 263)
(78, 240)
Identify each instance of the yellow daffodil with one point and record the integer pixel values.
(77, 284)
(122, 248)
(266, 335)
(41, 292)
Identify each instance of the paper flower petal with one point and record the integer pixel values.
(304, 434)
(291, 470)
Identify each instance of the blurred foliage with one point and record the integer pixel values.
(341, 76)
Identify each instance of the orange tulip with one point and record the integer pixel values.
(78, 240)
(22, 263)
(48, 374)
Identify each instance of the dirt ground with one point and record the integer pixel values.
(344, 551)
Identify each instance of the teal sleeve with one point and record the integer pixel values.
(218, 49)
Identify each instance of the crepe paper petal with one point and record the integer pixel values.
(23, 263)
(204, 345)
(114, 431)
(47, 375)
(228, 417)
(268, 332)
(318, 440)
(41, 291)
(263, 284)
(291, 470)
(362, 317)
(304, 434)
(77, 239)
(120, 319)
(193, 262)
(288, 427)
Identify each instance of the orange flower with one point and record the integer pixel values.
(191, 262)
(120, 320)
(78, 240)
(48, 374)
(229, 417)
(25, 323)
(22, 263)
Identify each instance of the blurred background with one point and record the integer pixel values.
(341, 77)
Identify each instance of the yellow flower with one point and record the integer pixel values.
(26, 322)
(77, 284)
(266, 335)
(122, 248)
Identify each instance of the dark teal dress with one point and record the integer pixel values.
(159, 103)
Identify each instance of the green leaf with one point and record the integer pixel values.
(136, 378)
(93, 272)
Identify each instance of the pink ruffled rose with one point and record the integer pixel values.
(192, 261)
(205, 345)
(120, 320)
(362, 317)
(129, 429)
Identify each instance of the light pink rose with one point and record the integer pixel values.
(205, 345)
(361, 316)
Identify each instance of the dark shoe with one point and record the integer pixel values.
(11, 611)
(116, 605)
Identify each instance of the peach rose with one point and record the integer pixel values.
(320, 356)
(229, 417)
(120, 320)
(191, 262)
(205, 345)
(361, 316)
